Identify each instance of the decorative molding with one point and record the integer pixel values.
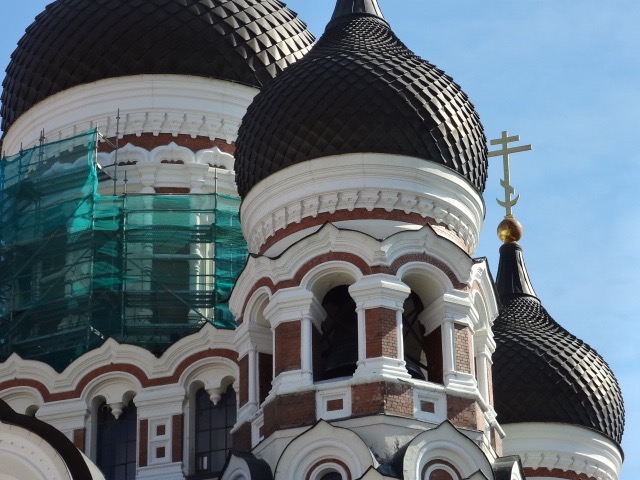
(357, 252)
(330, 184)
(174, 104)
(565, 447)
(112, 356)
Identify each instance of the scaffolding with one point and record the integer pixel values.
(78, 267)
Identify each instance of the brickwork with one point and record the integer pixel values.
(382, 397)
(439, 473)
(143, 443)
(289, 411)
(243, 394)
(464, 350)
(150, 141)
(265, 374)
(496, 442)
(490, 382)
(242, 438)
(465, 413)
(287, 347)
(333, 405)
(177, 442)
(556, 473)
(79, 436)
(433, 349)
(329, 460)
(381, 334)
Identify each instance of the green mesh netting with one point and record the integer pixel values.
(77, 267)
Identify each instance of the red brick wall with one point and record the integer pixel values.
(149, 141)
(265, 374)
(465, 413)
(382, 397)
(287, 347)
(496, 442)
(243, 394)
(433, 346)
(555, 473)
(78, 438)
(382, 340)
(464, 350)
(439, 473)
(288, 411)
(143, 438)
(177, 442)
(242, 438)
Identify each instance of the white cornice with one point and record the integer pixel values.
(362, 181)
(175, 104)
(111, 352)
(565, 447)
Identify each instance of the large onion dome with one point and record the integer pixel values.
(543, 373)
(75, 42)
(359, 90)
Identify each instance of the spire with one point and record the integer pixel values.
(513, 279)
(349, 7)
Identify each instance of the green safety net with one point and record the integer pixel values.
(78, 267)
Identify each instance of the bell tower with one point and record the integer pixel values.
(361, 304)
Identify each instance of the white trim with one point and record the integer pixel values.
(567, 447)
(175, 104)
(364, 180)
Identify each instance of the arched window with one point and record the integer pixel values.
(336, 352)
(213, 424)
(116, 442)
(415, 351)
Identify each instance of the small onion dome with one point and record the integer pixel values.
(74, 42)
(543, 373)
(360, 90)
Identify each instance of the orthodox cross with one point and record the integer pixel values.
(505, 151)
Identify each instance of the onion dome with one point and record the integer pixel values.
(74, 42)
(543, 373)
(360, 90)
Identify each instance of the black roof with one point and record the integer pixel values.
(74, 42)
(543, 373)
(360, 89)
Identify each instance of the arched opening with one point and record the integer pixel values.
(336, 349)
(116, 442)
(415, 348)
(213, 425)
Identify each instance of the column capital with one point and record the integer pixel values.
(380, 290)
(294, 304)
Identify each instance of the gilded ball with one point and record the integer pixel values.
(510, 230)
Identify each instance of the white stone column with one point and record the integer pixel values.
(380, 292)
(295, 305)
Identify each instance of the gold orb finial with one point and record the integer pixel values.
(510, 230)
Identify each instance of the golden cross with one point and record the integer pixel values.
(505, 151)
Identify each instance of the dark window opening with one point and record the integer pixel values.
(413, 332)
(336, 354)
(116, 443)
(331, 476)
(213, 426)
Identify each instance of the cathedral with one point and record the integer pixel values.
(230, 250)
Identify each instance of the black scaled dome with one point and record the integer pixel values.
(360, 90)
(74, 42)
(542, 373)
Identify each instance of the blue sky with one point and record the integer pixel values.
(565, 76)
